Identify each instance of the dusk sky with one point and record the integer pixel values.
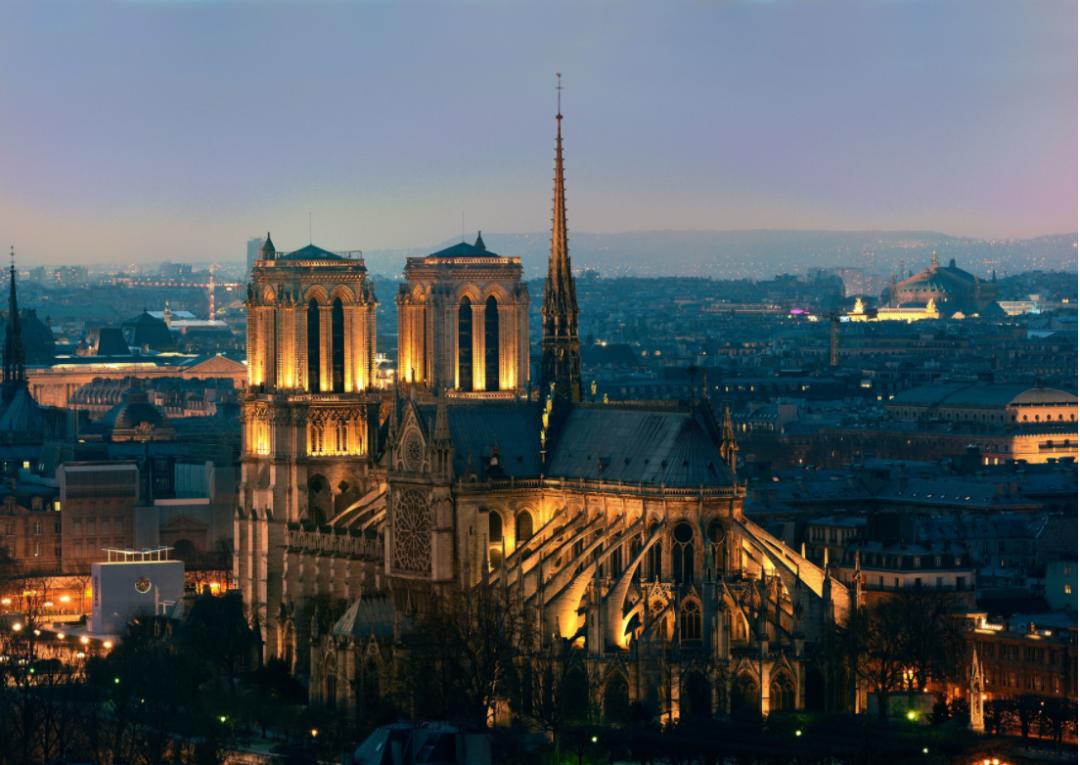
(143, 131)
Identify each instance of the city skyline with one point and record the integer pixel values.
(146, 152)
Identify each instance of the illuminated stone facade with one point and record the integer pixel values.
(463, 323)
(309, 426)
(618, 529)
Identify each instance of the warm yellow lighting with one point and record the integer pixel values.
(314, 732)
(5, 601)
(48, 604)
(65, 598)
(107, 645)
(84, 640)
(60, 636)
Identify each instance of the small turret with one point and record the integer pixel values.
(268, 251)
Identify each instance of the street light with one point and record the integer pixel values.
(314, 732)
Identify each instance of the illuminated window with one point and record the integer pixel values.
(1068, 589)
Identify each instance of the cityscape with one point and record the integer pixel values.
(652, 463)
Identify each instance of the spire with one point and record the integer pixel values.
(729, 447)
(479, 242)
(561, 347)
(14, 357)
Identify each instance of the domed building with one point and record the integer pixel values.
(952, 290)
(136, 419)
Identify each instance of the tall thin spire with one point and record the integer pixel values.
(561, 348)
(14, 357)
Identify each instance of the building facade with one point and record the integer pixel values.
(310, 425)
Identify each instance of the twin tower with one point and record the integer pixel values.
(463, 331)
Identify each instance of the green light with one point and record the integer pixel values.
(798, 733)
(912, 715)
(595, 739)
(223, 719)
(926, 750)
(116, 681)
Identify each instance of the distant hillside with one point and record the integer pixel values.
(762, 254)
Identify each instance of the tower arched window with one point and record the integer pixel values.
(314, 357)
(682, 554)
(491, 344)
(465, 345)
(337, 344)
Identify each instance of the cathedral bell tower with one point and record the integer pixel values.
(560, 363)
(309, 423)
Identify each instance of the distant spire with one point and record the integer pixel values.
(479, 242)
(561, 348)
(14, 357)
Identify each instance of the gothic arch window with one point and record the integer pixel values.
(781, 693)
(337, 345)
(314, 358)
(523, 527)
(716, 543)
(690, 622)
(682, 554)
(319, 498)
(745, 696)
(465, 345)
(694, 699)
(491, 344)
(653, 558)
(495, 538)
(617, 700)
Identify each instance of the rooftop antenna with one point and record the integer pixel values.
(558, 95)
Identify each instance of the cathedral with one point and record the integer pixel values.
(619, 528)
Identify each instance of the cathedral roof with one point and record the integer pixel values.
(21, 413)
(597, 443)
(310, 252)
(668, 447)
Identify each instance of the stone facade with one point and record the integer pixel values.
(463, 323)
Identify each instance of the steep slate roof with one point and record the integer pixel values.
(368, 614)
(602, 443)
(22, 414)
(310, 252)
(637, 445)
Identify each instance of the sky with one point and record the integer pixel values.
(149, 130)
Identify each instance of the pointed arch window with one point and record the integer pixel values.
(690, 622)
(337, 344)
(465, 345)
(682, 554)
(314, 357)
(491, 344)
(524, 527)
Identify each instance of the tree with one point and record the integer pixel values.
(462, 652)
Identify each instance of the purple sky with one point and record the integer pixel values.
(154, 130)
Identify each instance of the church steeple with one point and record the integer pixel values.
(14, 357)
(561, 348)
